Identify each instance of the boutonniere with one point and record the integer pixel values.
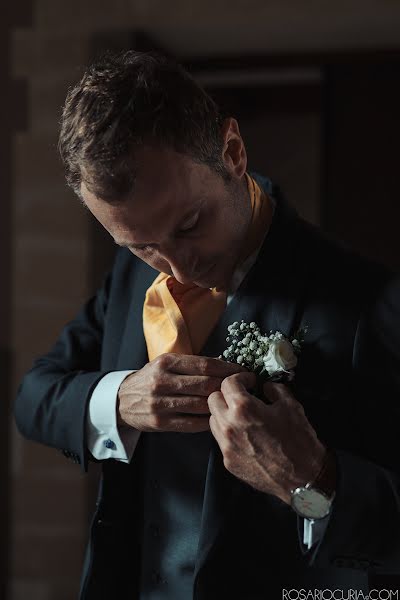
(271, 356)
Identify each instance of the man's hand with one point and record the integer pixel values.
(170, 393)
(272, 447)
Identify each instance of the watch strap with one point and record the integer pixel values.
(326, 479)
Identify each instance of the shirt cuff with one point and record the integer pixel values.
(313, 530)
(104, 438)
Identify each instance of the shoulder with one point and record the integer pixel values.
(129, 273)
(331, 260)
(126, 265)
(125, 260)
(315, 250)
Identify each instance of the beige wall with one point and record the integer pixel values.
(50, 267)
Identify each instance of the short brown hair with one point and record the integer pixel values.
(127, 99)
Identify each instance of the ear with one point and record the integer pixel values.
(234, 152)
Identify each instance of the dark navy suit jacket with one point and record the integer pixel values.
(347, 379)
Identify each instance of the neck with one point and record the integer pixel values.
(244, 208)
(260, 208)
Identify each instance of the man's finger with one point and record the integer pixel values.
(239, 383)
(196, 385)
(188, 364)
(217, 403)
(187, 424)
(185, 404)
(215, 428)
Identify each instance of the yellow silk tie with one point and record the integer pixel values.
(180, 317)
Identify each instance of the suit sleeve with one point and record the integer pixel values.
(363, 531)
(52, 398)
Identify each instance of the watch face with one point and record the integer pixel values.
(310, 503)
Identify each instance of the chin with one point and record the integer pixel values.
(213, 282)
(212, 278)
(203, 283)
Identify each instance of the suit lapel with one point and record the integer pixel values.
(269, 295)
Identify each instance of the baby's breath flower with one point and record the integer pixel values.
(270, 355)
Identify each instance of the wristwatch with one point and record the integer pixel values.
(314, 500)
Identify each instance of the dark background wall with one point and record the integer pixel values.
(316, 93)
(362, 128)
(13, 112)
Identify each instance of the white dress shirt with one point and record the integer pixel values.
(106, 440)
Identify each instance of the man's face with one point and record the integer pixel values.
(182, 218)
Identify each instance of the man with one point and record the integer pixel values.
(203, 491)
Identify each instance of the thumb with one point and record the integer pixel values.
(239, 382)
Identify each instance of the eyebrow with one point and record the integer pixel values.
(138, 246)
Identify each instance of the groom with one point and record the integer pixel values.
(207, 491)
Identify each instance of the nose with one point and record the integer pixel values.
(181, 266)
(181, 274)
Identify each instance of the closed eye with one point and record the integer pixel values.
(190, 225)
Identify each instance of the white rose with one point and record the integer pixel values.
(280, 357)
